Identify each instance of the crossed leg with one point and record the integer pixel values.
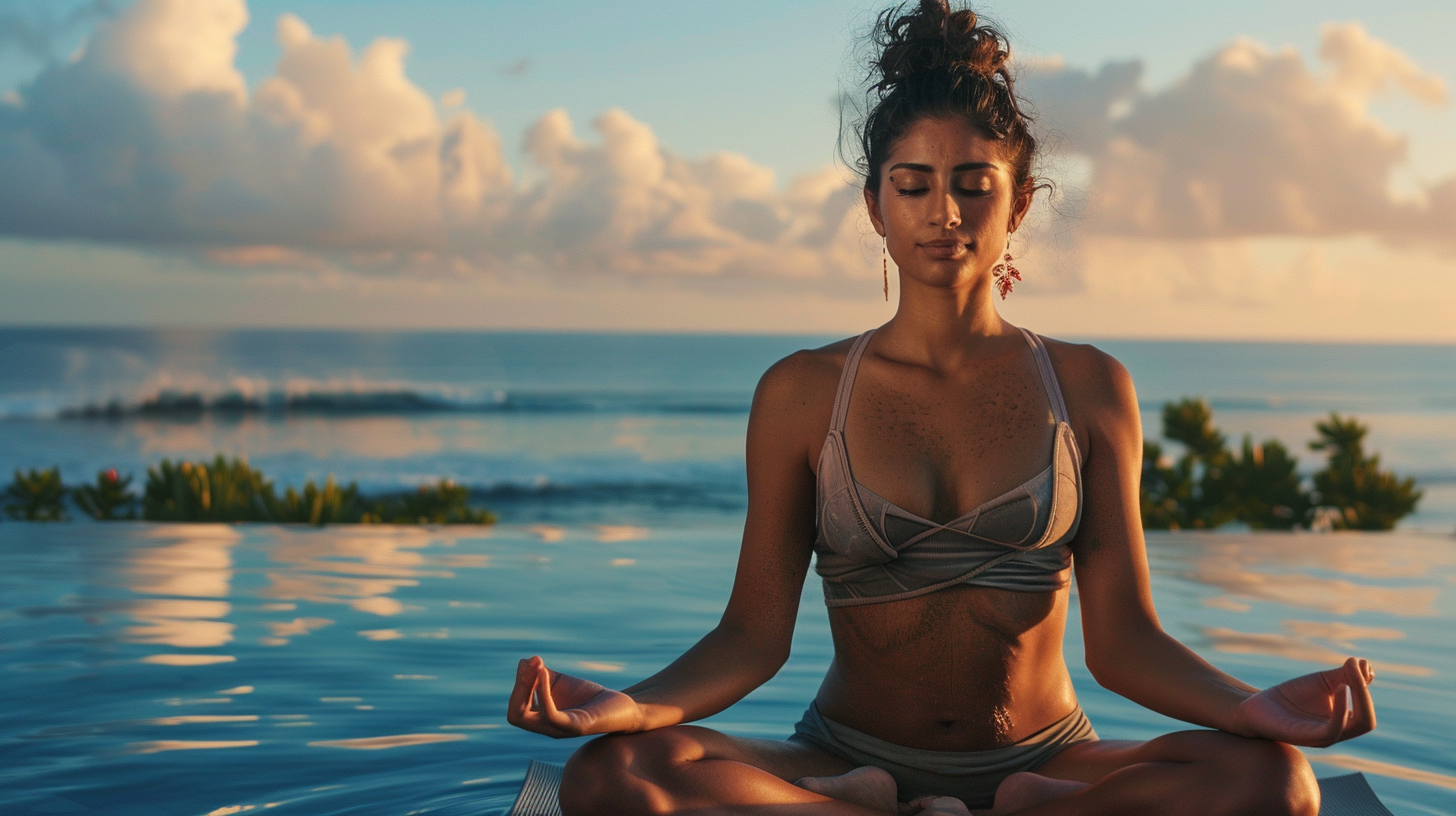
(689, 769)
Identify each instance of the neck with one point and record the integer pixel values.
(944, 325)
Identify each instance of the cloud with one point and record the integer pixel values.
(151, 137)
(1251, 142)
(36, 34)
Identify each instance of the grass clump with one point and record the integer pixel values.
(109, 499)
(36, 495)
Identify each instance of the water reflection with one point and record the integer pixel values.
(197, 563)
(187, 659)
(158, 746)
(459, 611)
(1363, 765)
(379, 743)
(1302, 644)
(1286, 570)
(194, 566)
(361, 567)
(1333, 595)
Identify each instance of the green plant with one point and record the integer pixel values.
(226, 490)
(1192, 491)
(1165, 489)
(36, 495)
(1263, 488)
(1364, 496)
(110, 499)
(317, 505)
(441, 503)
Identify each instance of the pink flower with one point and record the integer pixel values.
(110, 475)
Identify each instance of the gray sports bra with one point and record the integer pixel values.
(871, 551)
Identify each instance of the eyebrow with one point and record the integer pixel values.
(925, 168)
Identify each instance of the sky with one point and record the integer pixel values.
(1254, 170)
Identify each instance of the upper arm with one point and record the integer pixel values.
(778, 534)
(1108, 550)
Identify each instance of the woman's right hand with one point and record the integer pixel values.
(559, 705)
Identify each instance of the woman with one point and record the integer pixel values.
(987, 465)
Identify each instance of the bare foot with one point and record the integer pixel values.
(937, 806)
(868, 787)
(1020, 791)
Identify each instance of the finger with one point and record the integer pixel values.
(1362, 717)
(519, 707)
(1338, 718)
(548, 703)
(1367, 670)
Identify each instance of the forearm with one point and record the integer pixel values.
(715, 673)
(1154, 670)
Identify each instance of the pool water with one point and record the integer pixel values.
(180, 670)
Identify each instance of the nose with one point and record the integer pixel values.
(947, 213)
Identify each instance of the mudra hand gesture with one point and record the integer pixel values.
(559, 705)
(1317, 709)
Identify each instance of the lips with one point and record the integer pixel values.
(944, 248)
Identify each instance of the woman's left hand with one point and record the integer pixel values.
(1316, 709)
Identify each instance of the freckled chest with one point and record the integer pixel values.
(938, 446)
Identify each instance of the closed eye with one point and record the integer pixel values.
(912, 191)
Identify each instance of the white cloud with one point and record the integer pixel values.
(152, 137)
(1251, 142)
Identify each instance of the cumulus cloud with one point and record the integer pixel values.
(36, 31)
(1251, 142)
(152, 136)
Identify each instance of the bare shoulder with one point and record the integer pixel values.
(795, 396)
(1097, 388)
(805, 373)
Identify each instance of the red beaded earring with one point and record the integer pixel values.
(1006, 276)
(885, 264)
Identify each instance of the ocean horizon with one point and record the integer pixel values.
(544, 424)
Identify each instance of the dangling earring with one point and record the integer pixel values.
(885, 264)
(1006, 275)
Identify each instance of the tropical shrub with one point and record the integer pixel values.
(1352, 483)
(444, 502)
(1262, 487)
(226, 490)
(316, 505)
(109, 499)
(36, 495)
(1165, 490)
(1192, 493)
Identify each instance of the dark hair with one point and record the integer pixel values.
(933, 61)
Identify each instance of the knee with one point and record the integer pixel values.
(1271, 779)
(619, 773)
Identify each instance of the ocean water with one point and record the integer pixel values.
(206, 670)
(599, 426)
(177, 670)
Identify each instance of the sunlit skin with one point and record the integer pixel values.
(947, 412)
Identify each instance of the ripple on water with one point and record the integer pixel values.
(226, 669)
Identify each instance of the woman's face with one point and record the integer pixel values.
(946, 202)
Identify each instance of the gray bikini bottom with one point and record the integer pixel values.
(971, 776)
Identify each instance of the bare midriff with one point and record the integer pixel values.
(963, 669)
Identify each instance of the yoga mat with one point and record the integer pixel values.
(1348, 795)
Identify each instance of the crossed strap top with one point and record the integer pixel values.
(870, 550)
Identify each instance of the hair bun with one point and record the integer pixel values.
(933, 39)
